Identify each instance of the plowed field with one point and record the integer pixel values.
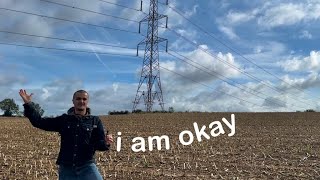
(265, 146)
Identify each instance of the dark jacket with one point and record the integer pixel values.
(80, 135)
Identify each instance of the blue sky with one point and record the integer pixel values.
(249, 55)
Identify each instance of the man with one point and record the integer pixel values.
(81, 135)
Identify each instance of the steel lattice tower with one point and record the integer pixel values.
(150, 73)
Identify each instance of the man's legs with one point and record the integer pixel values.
(88, 172)
(84, 172)
(67, 173)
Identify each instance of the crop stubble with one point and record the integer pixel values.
(265, 146)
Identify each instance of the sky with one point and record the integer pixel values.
(230, 56)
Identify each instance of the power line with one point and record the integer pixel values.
(120, 5)
(67, 20)
(63, 49)
(134, 49)
(82, 51)
(221, 60)
(95, 12)
(232, 66)
(213, 88)
(86, 10)
(208, 71)
(235, 85)
(234, 50)
(58, 38)
(218, 58)
(63, 39)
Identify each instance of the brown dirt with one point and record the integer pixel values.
(265, 146)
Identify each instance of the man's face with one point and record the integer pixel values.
(80, 100)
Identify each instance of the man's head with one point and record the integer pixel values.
(80, 101)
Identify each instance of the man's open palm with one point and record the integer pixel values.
(25, 97)
(109, 139)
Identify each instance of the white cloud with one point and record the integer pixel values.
(309, 63)
(305, 35)
(189, 34)
(180, 44)
(227, 24)
(285, 14)
(31, 24)
(205, 99)
(314, 9)
(273, 14)
(115, 87)
(239, 17)
(45, 94)
(105, 99)
(191, 12)
(229, 32)
(204, 68)
(312, 80)
(258, 49)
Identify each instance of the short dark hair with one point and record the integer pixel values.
(79, 91)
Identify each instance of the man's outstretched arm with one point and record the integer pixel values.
(48, 124)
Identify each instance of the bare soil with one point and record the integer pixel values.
(265, 146)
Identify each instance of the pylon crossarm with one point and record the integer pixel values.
(159, 40)
(160, 16)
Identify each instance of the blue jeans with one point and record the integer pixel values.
(85, 172)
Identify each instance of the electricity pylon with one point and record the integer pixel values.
(150, 73)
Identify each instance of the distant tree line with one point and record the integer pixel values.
(310, 110)
(118, 112)
(170, 110)
(10, 108)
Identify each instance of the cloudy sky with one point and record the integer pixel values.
(222, 56)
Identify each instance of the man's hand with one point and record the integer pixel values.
(25, 97)
(109, 139)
